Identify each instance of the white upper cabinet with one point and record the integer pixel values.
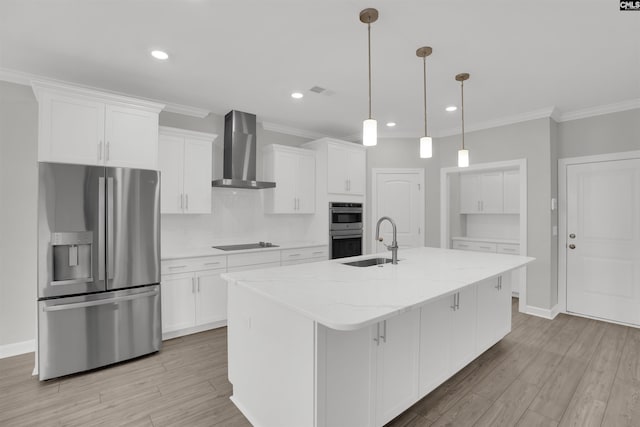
(294, 172)
(83, 126)
(512, 191)
(185, 165)
(493, 192)
(346, 164)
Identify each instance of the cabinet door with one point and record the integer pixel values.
(397, 365)
(463, 329)
(286, 174)
(435, 347)
(491, 190)
(356, 169)
(197, 176)
(131, 137)
(178, 301)
(511, 191)
(337, 164)
(469, 193)
(345, 377)
(170, 162)
(306, 184)
(211, 303)
(71, 130)
(494, 311)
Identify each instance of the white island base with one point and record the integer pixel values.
(329, 345)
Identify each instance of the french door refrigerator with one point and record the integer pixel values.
(98, 266)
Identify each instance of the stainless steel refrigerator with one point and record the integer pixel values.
(98, 266)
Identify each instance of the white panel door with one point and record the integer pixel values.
(171, 165)
(131, 137)
(399, 196)
(397, 365)
(71, 130)
(603, 240)
(178, 301)
(197, 176)
(211, 303)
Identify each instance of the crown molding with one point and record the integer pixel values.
(275, 127)
(509, 120)
(185, 110)
(26, 79)
(630, 104)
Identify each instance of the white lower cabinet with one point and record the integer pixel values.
(395, 348)
(447, 337)
(369, 376)
(494, 310)
(194, 299)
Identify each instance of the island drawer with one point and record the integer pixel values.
(474, 246)
(253, 258)
(320, 252)
(506, 248)
(183, 265)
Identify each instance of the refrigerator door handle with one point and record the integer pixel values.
(101, 214)
(110, 252)
(99, 302)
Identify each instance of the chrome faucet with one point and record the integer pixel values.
(394, 245)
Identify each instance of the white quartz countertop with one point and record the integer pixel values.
(177, 253)
(343, 297)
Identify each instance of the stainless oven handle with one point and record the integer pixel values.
(351, 236)
(346, 210)
(99, 302)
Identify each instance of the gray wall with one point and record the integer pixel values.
(609, 133)
(18, 201)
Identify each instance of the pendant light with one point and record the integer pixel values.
(463, 155)
(426, 143)
(369, 126)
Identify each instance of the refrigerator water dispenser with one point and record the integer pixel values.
(72, 257)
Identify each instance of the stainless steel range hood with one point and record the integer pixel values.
(239, 168)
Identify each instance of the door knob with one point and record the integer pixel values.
(572, 246)
(572, 236)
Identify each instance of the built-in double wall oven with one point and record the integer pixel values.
(345, 229)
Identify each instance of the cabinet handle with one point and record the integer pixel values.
(384, 332)
(317, 253)
(458, 303)
(108, 150)
(293, 255)
(186, 203)
(377, 338)
(484, 247)
(212, 263)
(171, 267)
(100, 150)
(198, 285)
(193, 285)
(453, 307)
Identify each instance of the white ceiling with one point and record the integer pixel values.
(524, 57)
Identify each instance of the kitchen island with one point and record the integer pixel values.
(327, 344)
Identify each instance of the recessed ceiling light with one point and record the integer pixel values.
(159, 54)
(297, 95)
(451, 108)
(391, 124)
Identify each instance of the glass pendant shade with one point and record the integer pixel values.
(369, 132)
(463, 158)
(426, 147)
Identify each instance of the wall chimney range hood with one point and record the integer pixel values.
(239, 168)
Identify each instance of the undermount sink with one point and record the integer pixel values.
(246, 246)
(368, 262)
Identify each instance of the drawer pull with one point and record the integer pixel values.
(317, 253)
(171, 267)
(212, 263)
(293, 255)
(485, 247)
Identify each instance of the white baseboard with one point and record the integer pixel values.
(187, 331)
(17, 348)
(547, 313)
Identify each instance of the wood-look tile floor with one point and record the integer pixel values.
(569, 371)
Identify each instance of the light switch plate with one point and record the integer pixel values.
(554, 204)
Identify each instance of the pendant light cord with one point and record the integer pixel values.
(369, 40)
(424, 63)
(462, 92)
